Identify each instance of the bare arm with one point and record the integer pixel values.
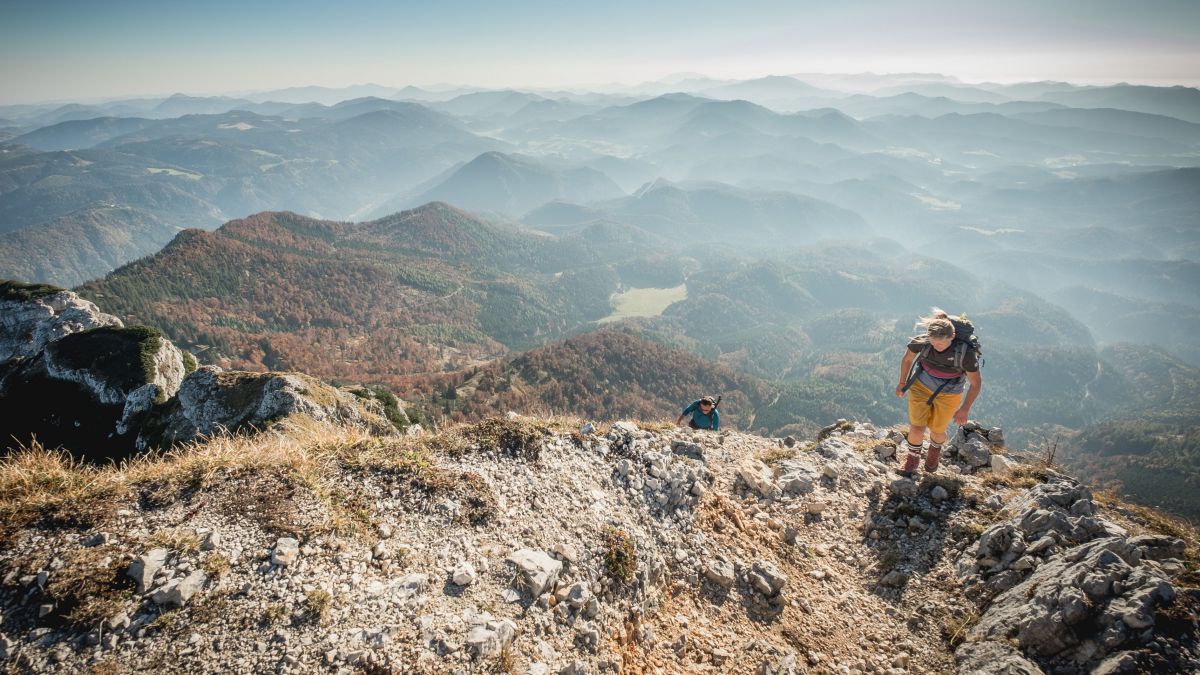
(905, 367)
(964, 411)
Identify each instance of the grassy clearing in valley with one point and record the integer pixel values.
(644, 302)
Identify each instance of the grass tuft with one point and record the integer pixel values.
(181, 541)
(317, 604)
(620, 554)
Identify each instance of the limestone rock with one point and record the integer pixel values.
(766, 578)
(177, 592)
(1002, 466)
(1000, 658)
(143, 568)
(538, 570)
(757, 478)
(464, 574)
(287, 550)
(31, 318)
(721, 573)
(211, 400)
(903, 487)
(486, 641)
(1102, 581)
(113, 363)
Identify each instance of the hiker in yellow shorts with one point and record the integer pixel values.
(935, 370)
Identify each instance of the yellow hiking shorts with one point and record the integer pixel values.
(937, 416)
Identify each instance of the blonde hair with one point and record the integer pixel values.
(937, 324)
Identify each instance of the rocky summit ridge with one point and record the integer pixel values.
(550, 546)
(287, 526)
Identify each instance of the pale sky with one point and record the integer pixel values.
(55, 50)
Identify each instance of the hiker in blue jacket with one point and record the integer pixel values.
(704, 414)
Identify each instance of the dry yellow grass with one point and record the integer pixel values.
(50, 487)
(40, 484)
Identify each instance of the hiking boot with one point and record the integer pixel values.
(932, 457)
(911, 461)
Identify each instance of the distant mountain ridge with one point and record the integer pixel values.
(512, 184)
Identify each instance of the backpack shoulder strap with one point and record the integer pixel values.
(916, 368)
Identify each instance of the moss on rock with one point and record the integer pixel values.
(22, 292)
(123, 356)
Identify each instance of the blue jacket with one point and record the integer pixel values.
(710, 421)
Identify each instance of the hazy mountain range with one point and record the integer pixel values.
(420, 233)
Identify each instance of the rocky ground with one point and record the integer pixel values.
(531, 546)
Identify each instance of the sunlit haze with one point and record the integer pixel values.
(67, 50)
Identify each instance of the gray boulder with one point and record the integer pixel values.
(33, 316)
(212, 401)
(1102, 583)
(995, 658)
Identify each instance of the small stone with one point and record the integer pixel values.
(766, 578)
(830, 471)
(817, 574)
(177, 592)
(903, 488)
(1024, 563)
(790, 441)
(464, 574)
(687, 449)
(381, 551)
(757, 477)
(118, 622)
(538, 570)
(816, 507)
(143, 568)
(938, 493)
(286, 551)
(566, 551)
(720, 573)
(795, 484)
(97, 539)
(1002, 467)
(211, 541)
(578, 595)
(384, 530)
